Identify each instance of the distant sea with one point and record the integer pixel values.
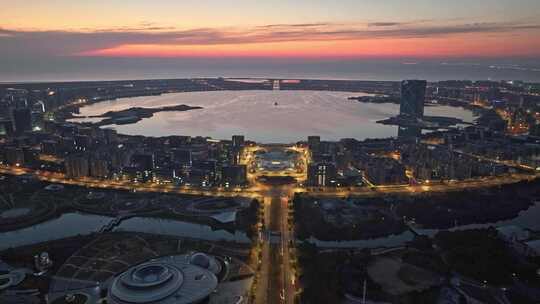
(79, 69)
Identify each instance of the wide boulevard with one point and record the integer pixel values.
(276, 283)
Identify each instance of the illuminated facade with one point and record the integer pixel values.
(321, 174)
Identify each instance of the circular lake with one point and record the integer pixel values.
(263, 116)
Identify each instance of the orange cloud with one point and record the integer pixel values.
(459, 46)
(312, 40)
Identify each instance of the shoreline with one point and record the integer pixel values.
(133, 115)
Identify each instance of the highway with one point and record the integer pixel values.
(258, 190)
(432, 187)
(276, 277)
(263, 288)
(276, 280)
(60, 178)
(508, 163)
(287, 241)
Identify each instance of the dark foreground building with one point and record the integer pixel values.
(413, 93)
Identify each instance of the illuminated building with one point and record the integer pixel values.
(203, 173)
(321, 174)
(77, 165)
(182, 156)
(99, 168)
(82, 142)
(49, 147)
(409, 132)
(143, 164)
(383, 170)
(234, 175)
(238, 141)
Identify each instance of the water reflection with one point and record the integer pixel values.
(67, 225)
(394, 240)
(265, 116)
(73, 224)
(527, 219)
(181, 229)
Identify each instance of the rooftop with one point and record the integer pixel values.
(171, 279)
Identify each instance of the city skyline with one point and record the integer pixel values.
(191, 213)
(249, 152)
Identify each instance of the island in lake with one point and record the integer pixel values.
(427, 122)
(135, 114)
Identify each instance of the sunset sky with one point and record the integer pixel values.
(302, 29)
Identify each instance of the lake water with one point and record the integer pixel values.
(67, 225)
(73, 224)
(394, 240)
(254, 114)
(181, 229)
(527, 219)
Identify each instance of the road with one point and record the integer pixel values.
(264, 273)
(257, 190)
(276, 277)
(287, 240)
(276, 283)
(60, 178)
(508, 163)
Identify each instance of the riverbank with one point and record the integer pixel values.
(344, 220)
(42, 205)
(487, 205)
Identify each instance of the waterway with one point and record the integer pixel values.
(67, 225)
(181, 229)
(527, 219)
(73, 224)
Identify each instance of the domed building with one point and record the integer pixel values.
(13, 278)
(205, 261)
(166, 280)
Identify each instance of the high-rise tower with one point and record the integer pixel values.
(413, 93)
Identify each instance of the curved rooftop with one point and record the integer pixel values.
(205, 261)
(165, 280)
(13, 278)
